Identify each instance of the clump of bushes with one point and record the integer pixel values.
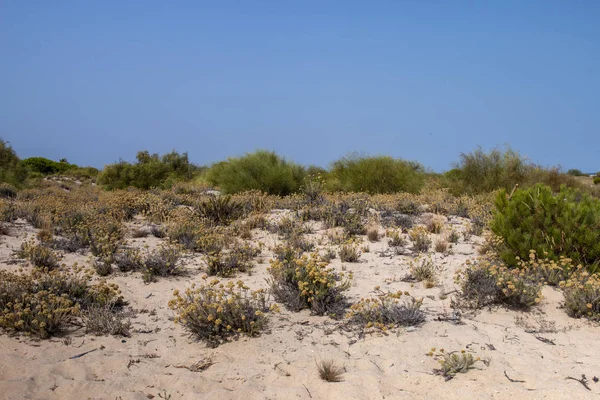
(238, 258)
(479, 172)
(420, 238)
(40, 255)
(150, 170)
(262, 170)
(306, 282)
(215, 311)
(162, 262)
(386, 311)
(375, 175)
(43, 304)
(563, 224)
(486, 283)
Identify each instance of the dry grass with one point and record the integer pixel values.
(329, 371)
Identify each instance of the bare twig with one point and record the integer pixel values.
(512, 380)
(84, 353)
(583, 381)
(308, 391)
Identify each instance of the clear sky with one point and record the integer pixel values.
(95, 81)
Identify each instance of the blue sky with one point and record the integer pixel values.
(96, 81)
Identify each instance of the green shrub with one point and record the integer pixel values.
(575, 172)
(375, 175)
(566, 224)
(7, 191)
(479, 172)
(597, 180)
(262, 170)
(45, 166)
(150, 170)
(12, 170)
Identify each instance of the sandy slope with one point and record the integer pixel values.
(281, 363)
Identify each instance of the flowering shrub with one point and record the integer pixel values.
(489, 282)
(215, 311)
(387, 311)
(42, 304)
(582, 294)
(306, 282)
(40, 256)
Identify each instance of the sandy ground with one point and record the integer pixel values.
(537, 350)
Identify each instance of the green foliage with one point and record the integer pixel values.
(479, 172)
(566, 224)
(12, 170)
(575, 172)
(597, 180)
(262, 170)
(150, 170)
(380, 174)
(45, 166)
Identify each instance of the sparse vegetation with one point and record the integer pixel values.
(329, 371)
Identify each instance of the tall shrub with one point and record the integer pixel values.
(262, 170)
(563, 224)
(380, 174)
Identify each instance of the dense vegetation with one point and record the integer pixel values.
(475, 173)
(150, 170)
(563, 224)
(261, 170)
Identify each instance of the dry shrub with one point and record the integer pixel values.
(582, 294)
(489, 282)
(396, 241)
(386, 311)
(424, 269)
(349, 252)
(306, 282)
(40, 256)
(453, 237)
(214, 312)
(435, 224)
(129, 259)
(329, 371)
(420, 238)
(441, 245)
(226, 264)
(373, 235)
(106, 320)
(162, 262)
(42, 304)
